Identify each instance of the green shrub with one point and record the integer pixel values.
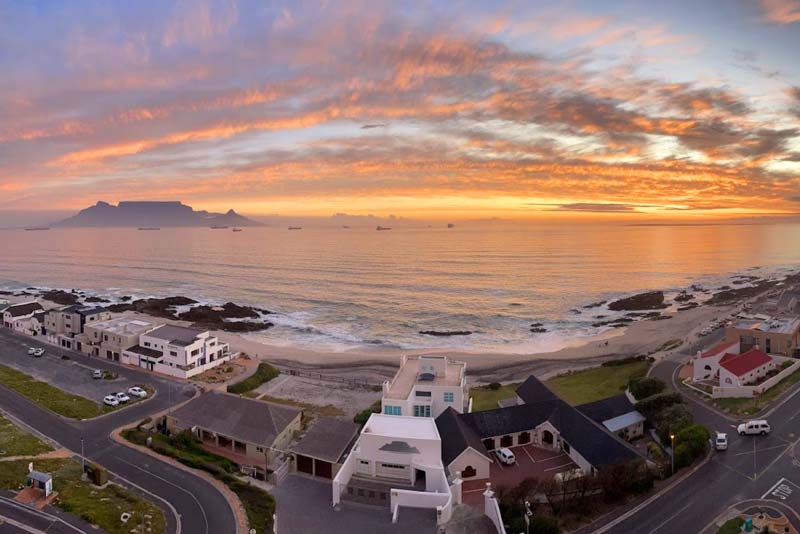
(624, 361)
(96, 473)
(263, 374)
(690, 443)
(362, 416)
(652, 406)
(644, 387)
(672, 420)
(731, 526)
(494, 386)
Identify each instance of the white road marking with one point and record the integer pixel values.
(749, 453)
(670, 518)
(529, 454)
(559, 466)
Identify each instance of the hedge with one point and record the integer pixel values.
(644, 387)
(263, 374)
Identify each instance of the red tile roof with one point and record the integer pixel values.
(744, 363)
(716, 349)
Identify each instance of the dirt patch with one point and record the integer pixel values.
(349, 399)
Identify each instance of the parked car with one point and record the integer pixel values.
(31, 350)
(721, 441)
(38, 353)
(755, 427)
(122, 397)
(136, 391)
(97, 373)
(505, 456)
(110, 400)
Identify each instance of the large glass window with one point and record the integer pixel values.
(448, 396)
(422, 411)
(391, 410)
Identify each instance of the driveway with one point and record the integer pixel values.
(304, 505)
(532, 462)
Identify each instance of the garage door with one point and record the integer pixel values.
(305, 464)
(323, 469)
(402, 472)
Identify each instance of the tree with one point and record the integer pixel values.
(672, 420)
(644, 387)
(652, 406)
(690, 444)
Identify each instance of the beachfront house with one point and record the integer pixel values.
(20, 318)
(397, 462)
(736, 370)
(773, 335)
(250, 432)
(62, 325)
(425, 386)
(617, 414)
(176, 351)
(108, 339)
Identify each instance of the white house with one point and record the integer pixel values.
(397, 461)
(738, 370)
(425, 386)
(705, 366)
(20, 317)
(177, 351)
(64, 324)
(108, 339)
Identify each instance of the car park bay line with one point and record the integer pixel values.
(559, 467)
(529, 454)
(750, 453)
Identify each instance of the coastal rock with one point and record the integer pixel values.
(61, 297)
(651, 300)
(237, 326)
(684, 297)
(594, 304)
(125, 298)
(688, 306)
(644, 315)
(538, 330)
(445, 333)
(729, 295)
(155, 307)
(218, 315)
(96, 299)
(614, 323)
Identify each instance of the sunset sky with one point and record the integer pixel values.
(420, 109)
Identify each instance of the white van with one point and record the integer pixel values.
(755, 427)
(721, 441)
(505, 456)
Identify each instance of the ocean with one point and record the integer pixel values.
(342, 288)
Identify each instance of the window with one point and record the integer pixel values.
(195, 352)
(448, 396)
(422, 411)
(423, 393)
(173, 353)
(391, 410)
(146, 343)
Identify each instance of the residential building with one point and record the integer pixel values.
(397, 461)
(747, 368)
(20, 317)
(248, 431)
(425, 386)
(108, 339)
(773, 335)
(64, 324)
(617, 414)
(706, 365)
(322, 450)
(540, 419)
(177, 351)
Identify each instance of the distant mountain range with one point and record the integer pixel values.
(151, 214)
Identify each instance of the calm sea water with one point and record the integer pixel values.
(340, 288)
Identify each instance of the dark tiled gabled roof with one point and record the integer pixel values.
(533, 390)
(501, 421)
(18, 310)
(329, 439)
(236, 417)
(606, 409)
(144, 351)
(456, 436)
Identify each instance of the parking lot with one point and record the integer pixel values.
(73, 375)
(532, 462)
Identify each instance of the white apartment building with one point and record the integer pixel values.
(397, 461)
(425, 386)
(177, 351)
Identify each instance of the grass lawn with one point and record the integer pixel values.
(263, 374)
(101, 507)
(596, 383)
(750, 406)
(16, 442)
(731, 526)
(50, 397)
(484, 398)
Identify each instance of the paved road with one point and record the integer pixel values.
(753, 467)
(17, 517)
(201, 507)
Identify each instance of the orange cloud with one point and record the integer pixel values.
(781, 11)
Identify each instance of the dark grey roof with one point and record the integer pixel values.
(144, 351)
(175, 335)
(456, 435)
(329, 439)
(39, 476)
(533, 390)
(90, 310)
(18, 310)
(606, 409)
(590, 439)
(236, 417)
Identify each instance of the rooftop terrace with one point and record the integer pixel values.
(124, 325)
(774, 325)
(425, 370)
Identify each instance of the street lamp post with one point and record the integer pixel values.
(672, 450)
(83, 461)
